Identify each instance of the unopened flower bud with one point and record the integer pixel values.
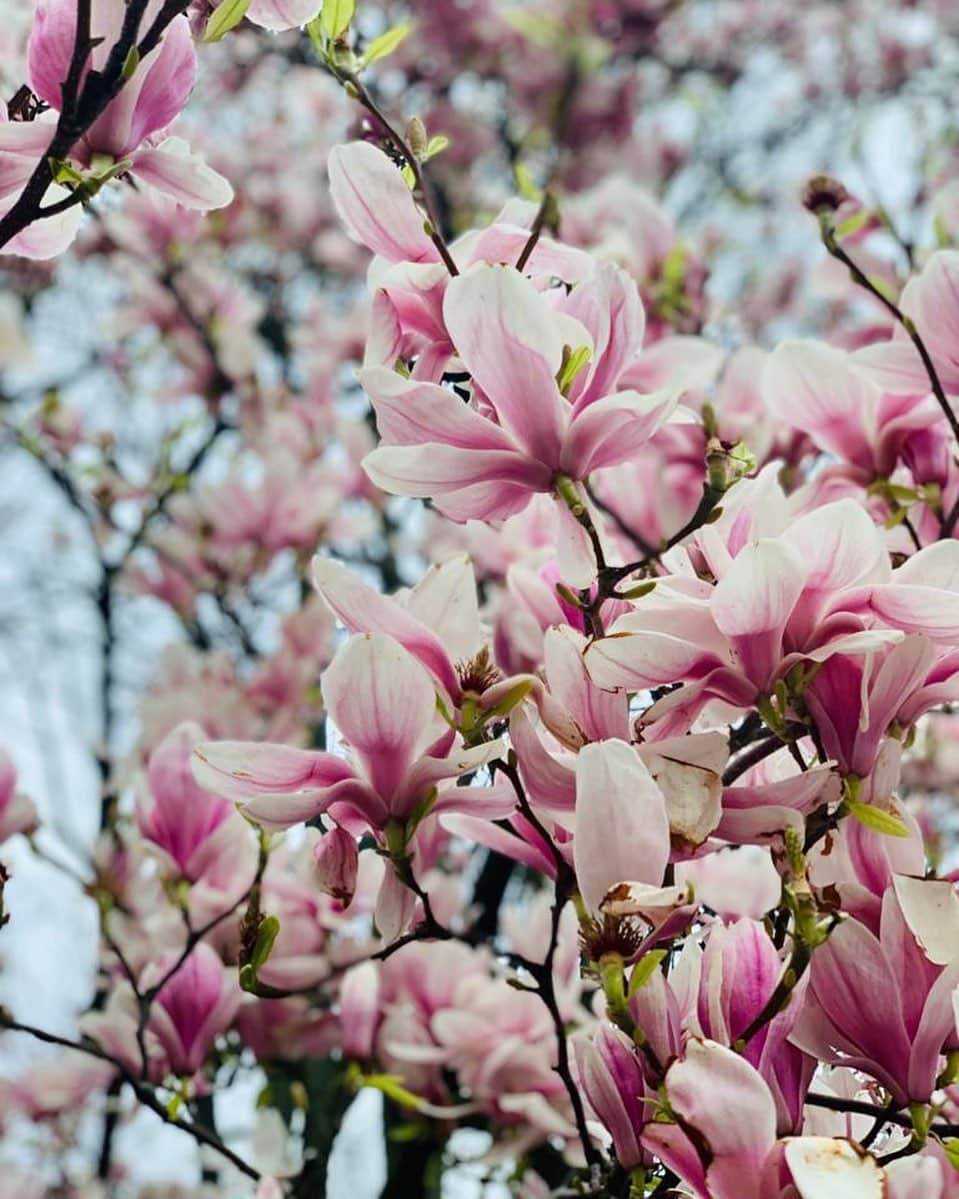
(416, 137)
(822, 194)
(337, 857)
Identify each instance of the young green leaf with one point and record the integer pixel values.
(436, 145)
(336, 16)
(385, 44)
(225, 16)
(877, 819)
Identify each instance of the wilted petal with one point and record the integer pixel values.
(825, 1168)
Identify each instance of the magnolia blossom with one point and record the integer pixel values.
(822, 588)
(383, 702)
(523, 432)
(130, 135)
(901, 1045)
(195, 1004)
(724, 1145)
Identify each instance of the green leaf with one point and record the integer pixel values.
(951, 1146)
(336, 16)
(525, 184)
(266, 934)
(573, 363)
(225, 16)
(315, 30)
(878, 819)
(63, 172)
(392, 1087)
(436, 145)
(674, 266)
(514, 696)
(385, 44)
(854, 223)
(644, 970)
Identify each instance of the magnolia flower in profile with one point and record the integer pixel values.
(174, 813)
(611, 1076)
(195, 1004)
(899, 1044)
(129, 136)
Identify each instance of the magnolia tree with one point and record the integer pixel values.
(482, 497)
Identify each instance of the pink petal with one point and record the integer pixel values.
(717, 1092)
(507, 337)
(282, 14)
(930, 908)
(410, 413)
(239, 770)
(51, 48)
(814, 388)
(621, 827)
(182, 176)
(383, 701)
(753, 601)
(612, 430)
(375, 204)
(472, 484)
(362, 609)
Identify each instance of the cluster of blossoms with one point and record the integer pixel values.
(597, 805)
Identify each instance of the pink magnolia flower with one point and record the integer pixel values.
(520, 433)
(502, 1045)
(740, 971)
(611, 1076)
(819, 390)
(416, 985)
(899, 1043)
(408, 278)
(856, 700)
(337, 858)
(801, 596)
(17, 812)
(724, 1144)
(131, 130)
(174, 812)
(192, 1008)
(383, 703)
(930, 300)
